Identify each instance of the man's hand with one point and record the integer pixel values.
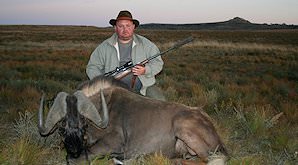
(138, 70)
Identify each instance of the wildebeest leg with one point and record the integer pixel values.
(186, 162)
(117, 162)
(195, 134)
(188, 152)
(110, 145)
(119, 156)
(182, 150)
(195, 146)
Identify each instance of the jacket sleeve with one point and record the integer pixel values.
(155, 65)
(95, 65)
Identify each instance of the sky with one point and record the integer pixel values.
(99, 12)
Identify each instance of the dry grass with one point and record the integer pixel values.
(26, 146)
(242, 46)
(156, 158)
(245, 80)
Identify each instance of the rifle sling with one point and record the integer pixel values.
(133, 81)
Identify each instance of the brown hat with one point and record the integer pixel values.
(124, 15)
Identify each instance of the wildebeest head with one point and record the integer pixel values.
(69, 113)
(72, 128)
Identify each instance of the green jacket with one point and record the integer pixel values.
(105, 58)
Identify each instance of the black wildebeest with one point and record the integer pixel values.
(103, 118)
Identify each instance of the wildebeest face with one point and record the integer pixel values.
(71, 114)
(73, 144)
(73, 129)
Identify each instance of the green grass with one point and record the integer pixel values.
(245, 80)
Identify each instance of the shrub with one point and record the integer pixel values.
(28, 147)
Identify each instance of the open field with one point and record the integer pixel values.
(247, 81)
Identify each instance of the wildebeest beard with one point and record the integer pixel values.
(74, 142)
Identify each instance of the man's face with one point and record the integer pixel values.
(124, 29)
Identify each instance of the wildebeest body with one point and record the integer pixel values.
(139, 125)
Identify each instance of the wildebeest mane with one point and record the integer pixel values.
(93, 86)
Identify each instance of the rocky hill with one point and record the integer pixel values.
(236, 23)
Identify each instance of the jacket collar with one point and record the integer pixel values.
(113, 41)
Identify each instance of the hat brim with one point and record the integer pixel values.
(136, 22)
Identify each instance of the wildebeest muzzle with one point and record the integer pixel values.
(74, 144)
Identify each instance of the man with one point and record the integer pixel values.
(123, 46)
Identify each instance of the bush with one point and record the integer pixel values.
(28, 147)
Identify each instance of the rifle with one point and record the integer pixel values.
(125, 69)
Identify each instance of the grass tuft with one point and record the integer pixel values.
(28, 147)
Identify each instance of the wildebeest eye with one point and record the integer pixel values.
(63, 123)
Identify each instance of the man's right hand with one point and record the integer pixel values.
(138, 70)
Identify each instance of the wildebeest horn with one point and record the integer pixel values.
(56, 113)
(88, 109)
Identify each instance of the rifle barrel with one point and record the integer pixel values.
(177, 45)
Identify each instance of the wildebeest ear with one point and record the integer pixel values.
(87, 109)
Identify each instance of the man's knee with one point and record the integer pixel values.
(155, 92)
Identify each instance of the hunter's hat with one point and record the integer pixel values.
(124, 15)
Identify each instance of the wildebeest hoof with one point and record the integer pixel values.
(117, 162)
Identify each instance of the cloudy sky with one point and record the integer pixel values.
(99, 12)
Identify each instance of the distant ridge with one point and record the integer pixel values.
(236, 23)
